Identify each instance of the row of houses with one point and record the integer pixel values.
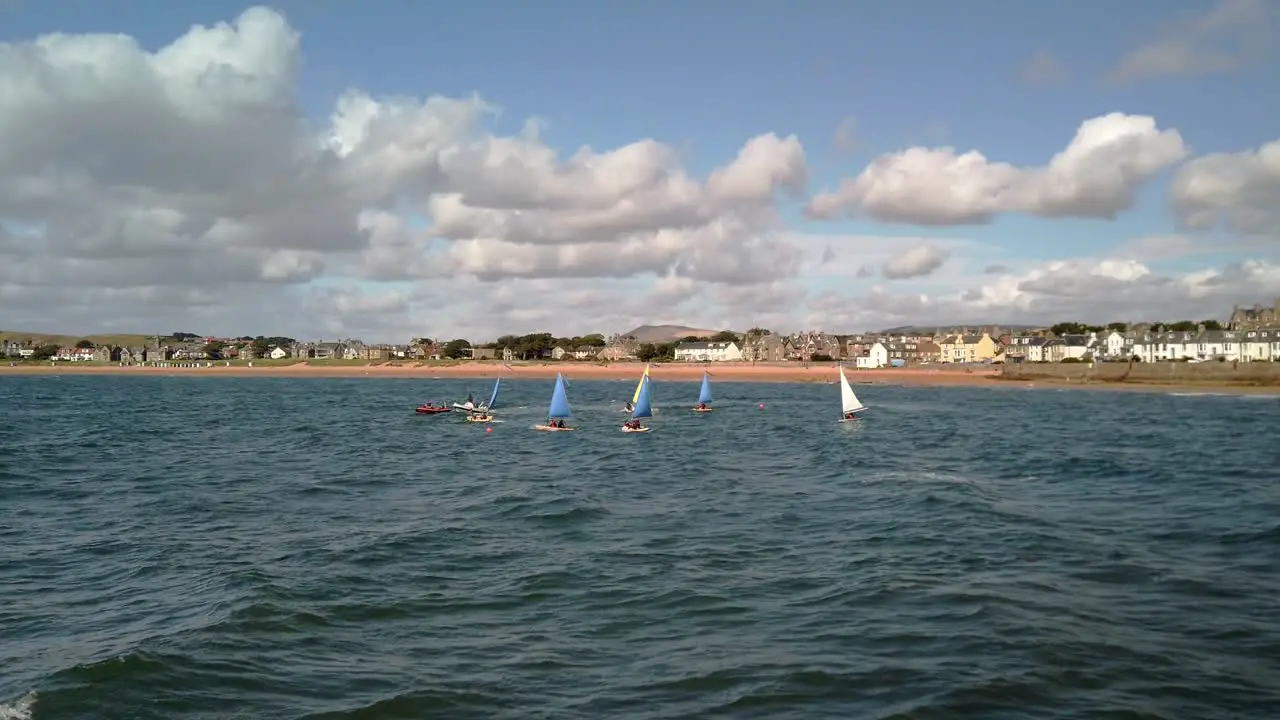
(867, 351)
(864, 350)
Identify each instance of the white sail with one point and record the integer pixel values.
(848, 401)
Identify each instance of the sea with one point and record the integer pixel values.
(183, 547)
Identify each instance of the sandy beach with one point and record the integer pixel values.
(725, 372)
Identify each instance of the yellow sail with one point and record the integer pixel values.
(635, 397)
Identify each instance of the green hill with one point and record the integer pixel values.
(123, 339)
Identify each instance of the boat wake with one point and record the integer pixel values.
(19, 709)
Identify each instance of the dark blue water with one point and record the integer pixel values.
(288, 548)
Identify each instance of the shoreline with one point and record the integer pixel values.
(724, 372)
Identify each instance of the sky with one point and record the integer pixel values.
(322, 169)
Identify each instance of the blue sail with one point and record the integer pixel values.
(559, 401)
(705, 395)
(494, 397)
(644, 404)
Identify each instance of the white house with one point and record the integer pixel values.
(278, 353)
(1260, 345)
(1200, 345)
(708, 352)
(74, 354)
(1026, 348)
(877, 357)
(1113, 345)
(1162, 347)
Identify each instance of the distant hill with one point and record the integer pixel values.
(36, 338)
(929, 330)
(667, 333)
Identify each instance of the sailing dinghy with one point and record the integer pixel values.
(486, 415)
(850, 405)
(559, 410)
(643, 409)
(635, 396)
(704, 395)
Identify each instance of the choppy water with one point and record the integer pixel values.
(238, 548)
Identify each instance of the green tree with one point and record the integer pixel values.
(214, 348)
(85, 345)
(725, 336)
(758, 332)
(647, 352)
(1212, 325)
(1118, 326)
(44, 352)
(1182, 326)
(456, 349)
(592, 340)
(260, 346)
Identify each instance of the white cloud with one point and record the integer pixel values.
(184, 190)
(190, 171)
(1241, 190)
(1096, 176)
(1087, 291)
(914, 262)
(1232, 34)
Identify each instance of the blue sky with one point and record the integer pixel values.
(706, 76)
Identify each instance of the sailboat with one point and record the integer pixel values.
(486, 415)
(559, 410)
(635, 396)
(469, 406)
(704, 395)
(850, 405)
(643, 409)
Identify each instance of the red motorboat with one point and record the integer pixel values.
(430, 409)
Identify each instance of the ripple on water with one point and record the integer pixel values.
(324, 554)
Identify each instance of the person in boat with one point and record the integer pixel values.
(634, 424)
(629, 407)
(702, 406)
(850, 416)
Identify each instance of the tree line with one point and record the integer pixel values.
(1076, 328)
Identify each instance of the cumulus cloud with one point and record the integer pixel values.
(914, 262)
(191, 170)
(1239, 190)
(1087, 291)
(183, 189)
(1096, 176)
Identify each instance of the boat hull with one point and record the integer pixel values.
(430, 410)
(702, 410)
(635, 430)
(480, 419)
(548, 428)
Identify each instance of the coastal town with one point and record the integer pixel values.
(1250, 335)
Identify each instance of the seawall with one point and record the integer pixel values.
(1156, 373)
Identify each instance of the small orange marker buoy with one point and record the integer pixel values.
(488, 429)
